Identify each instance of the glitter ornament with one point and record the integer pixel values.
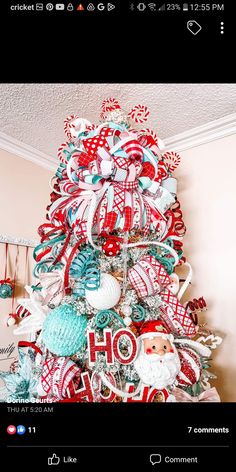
(111, 247)
(191, 369)
(107, 295)
(64, 331)
(6, 289)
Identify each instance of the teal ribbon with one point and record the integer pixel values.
(67, 153)
(43, 266)
(60, 169)
(103, 318)
(138, 313)
(84, 269)
(51, 242)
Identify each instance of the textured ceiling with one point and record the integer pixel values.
(34, 113)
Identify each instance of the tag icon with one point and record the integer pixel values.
(194, 27)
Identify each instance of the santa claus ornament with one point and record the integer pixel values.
(157, 363)
(108, 310)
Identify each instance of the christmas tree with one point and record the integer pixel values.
(105, 320)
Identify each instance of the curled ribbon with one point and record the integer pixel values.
(51, 237)
(210, 395)
(103, 318)
(175, 221)
(84, 269)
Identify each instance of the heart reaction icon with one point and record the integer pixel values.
(11, 429)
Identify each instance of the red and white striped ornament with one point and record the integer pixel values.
(68, 125)
(57, 374)
(148, 276)
(74, 125)
(108, 105)
(176, 316)
(61, 156)
(133, 149)
(148, 133)
(171, 160)
(22, 312)
(139, 113)
(191, 368)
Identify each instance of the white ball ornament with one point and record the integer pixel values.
(107, 295)
(127, 320)
(126, 310)
(11, 321)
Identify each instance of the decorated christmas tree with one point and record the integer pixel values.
(105, 321)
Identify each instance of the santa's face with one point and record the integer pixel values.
(157, 345)
(157, 363)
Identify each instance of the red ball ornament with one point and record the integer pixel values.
(111, 247)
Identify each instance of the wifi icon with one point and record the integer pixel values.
(152, 6)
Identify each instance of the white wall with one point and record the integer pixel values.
(24, 195)
(207, 192)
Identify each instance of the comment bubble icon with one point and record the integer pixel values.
(155, 459)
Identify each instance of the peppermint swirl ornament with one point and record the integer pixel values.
(110, 104)
(139, 113)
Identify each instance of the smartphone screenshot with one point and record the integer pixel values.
(117, 235)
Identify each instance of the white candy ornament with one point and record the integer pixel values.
(11, 321)
(127, 320)
(127, 311)
(174, 285)
(107, 295)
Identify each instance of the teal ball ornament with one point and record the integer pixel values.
(6, 290)
(64, 331)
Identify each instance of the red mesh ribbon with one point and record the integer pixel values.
(175, 221)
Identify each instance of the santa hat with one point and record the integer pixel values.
(151, 329)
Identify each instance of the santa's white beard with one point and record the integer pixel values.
(157, 371)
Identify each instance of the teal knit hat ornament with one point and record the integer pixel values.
(64, 331)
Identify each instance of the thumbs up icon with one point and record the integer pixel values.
(54, 460)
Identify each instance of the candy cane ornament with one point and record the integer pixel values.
(61, 156)
(74, 125)
(171, 160)
(149, 132)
